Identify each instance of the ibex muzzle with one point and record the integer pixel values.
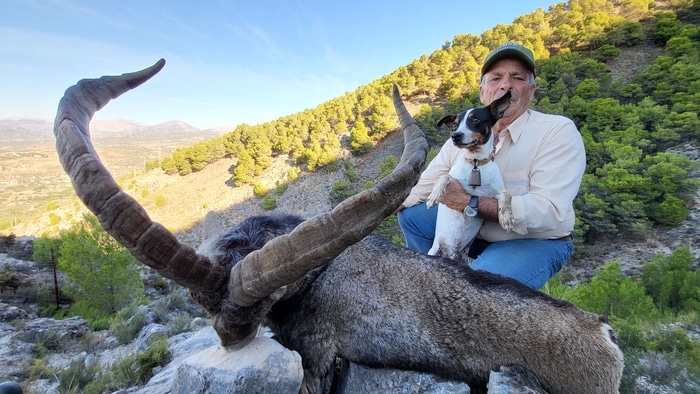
(326, 288)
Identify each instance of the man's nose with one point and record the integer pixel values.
(506, 84)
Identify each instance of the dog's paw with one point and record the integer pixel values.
(434, 197)
(505, 212)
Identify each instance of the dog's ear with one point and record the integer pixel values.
(448, 120)
(498, 107)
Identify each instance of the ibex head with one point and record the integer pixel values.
(235, 296)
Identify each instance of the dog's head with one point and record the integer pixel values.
(472, 128)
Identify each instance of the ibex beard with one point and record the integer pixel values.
(326, 289)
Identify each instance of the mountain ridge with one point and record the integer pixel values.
(21, 133)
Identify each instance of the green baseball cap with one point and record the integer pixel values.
(509, 50)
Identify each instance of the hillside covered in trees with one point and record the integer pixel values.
(629, 124)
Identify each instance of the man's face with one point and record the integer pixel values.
(505, 75)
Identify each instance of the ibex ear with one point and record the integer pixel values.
(499, 106)
(448, 120)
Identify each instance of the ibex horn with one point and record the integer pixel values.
(316, 241)
(261, 273)
(120, 215)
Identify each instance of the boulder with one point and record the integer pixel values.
(14, 357)
(261, 366)
(514, 380)
(70, 328)
(9, 313)
(356, 378)
(201, 365)
(145, 335)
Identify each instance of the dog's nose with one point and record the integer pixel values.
(457, 136)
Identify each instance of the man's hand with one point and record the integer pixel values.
(454, 195)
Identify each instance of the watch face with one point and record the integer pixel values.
(469, 211)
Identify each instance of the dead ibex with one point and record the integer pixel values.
(323, 293)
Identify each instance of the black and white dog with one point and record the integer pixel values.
(479, 175)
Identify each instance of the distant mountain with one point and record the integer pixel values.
(25, 130)
(19, 133)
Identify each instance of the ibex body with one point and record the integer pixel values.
(324, 294)
(382, 305)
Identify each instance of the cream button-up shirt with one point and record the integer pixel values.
(542, 160)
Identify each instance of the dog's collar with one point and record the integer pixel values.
(481, 162)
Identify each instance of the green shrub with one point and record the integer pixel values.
(259, 190)
(160, 201)
(77, 376)
(387, 165)
(40, 370)
(156, 355)
(605, 53)
(152, 164)
(179, 324)
(611, 294)
(96, 319)
(122, 372)
(349, 170)
(332, 166)
(125, 331)
(672, 283)
(269, 203)
(54, 219)
(293, 174)
(281, 188)
(340, 191)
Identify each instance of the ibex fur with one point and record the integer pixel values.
(324, 294)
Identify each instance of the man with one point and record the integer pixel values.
(542, 161)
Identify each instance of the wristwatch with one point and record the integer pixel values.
(473, 207)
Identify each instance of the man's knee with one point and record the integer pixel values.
(418, 226)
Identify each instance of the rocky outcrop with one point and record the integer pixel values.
(198, 363)
(53, 330)
(265, 366)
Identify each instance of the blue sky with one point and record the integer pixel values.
(228, 62)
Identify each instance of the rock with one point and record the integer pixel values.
(181, 347)
(45, 386)
(23, 248)
(200, 365)
(261, 366)
(8, 313)
(70, 328)
(6, 329)
(144, 338)
(146, 311)
(14, 357)
(514, 380)
(360, 379)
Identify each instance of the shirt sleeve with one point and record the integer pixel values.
(439, 166)
(554, 180)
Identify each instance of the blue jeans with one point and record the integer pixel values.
(530, 261)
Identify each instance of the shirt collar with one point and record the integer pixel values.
(516, 128)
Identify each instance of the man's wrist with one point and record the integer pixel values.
(472, 208)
